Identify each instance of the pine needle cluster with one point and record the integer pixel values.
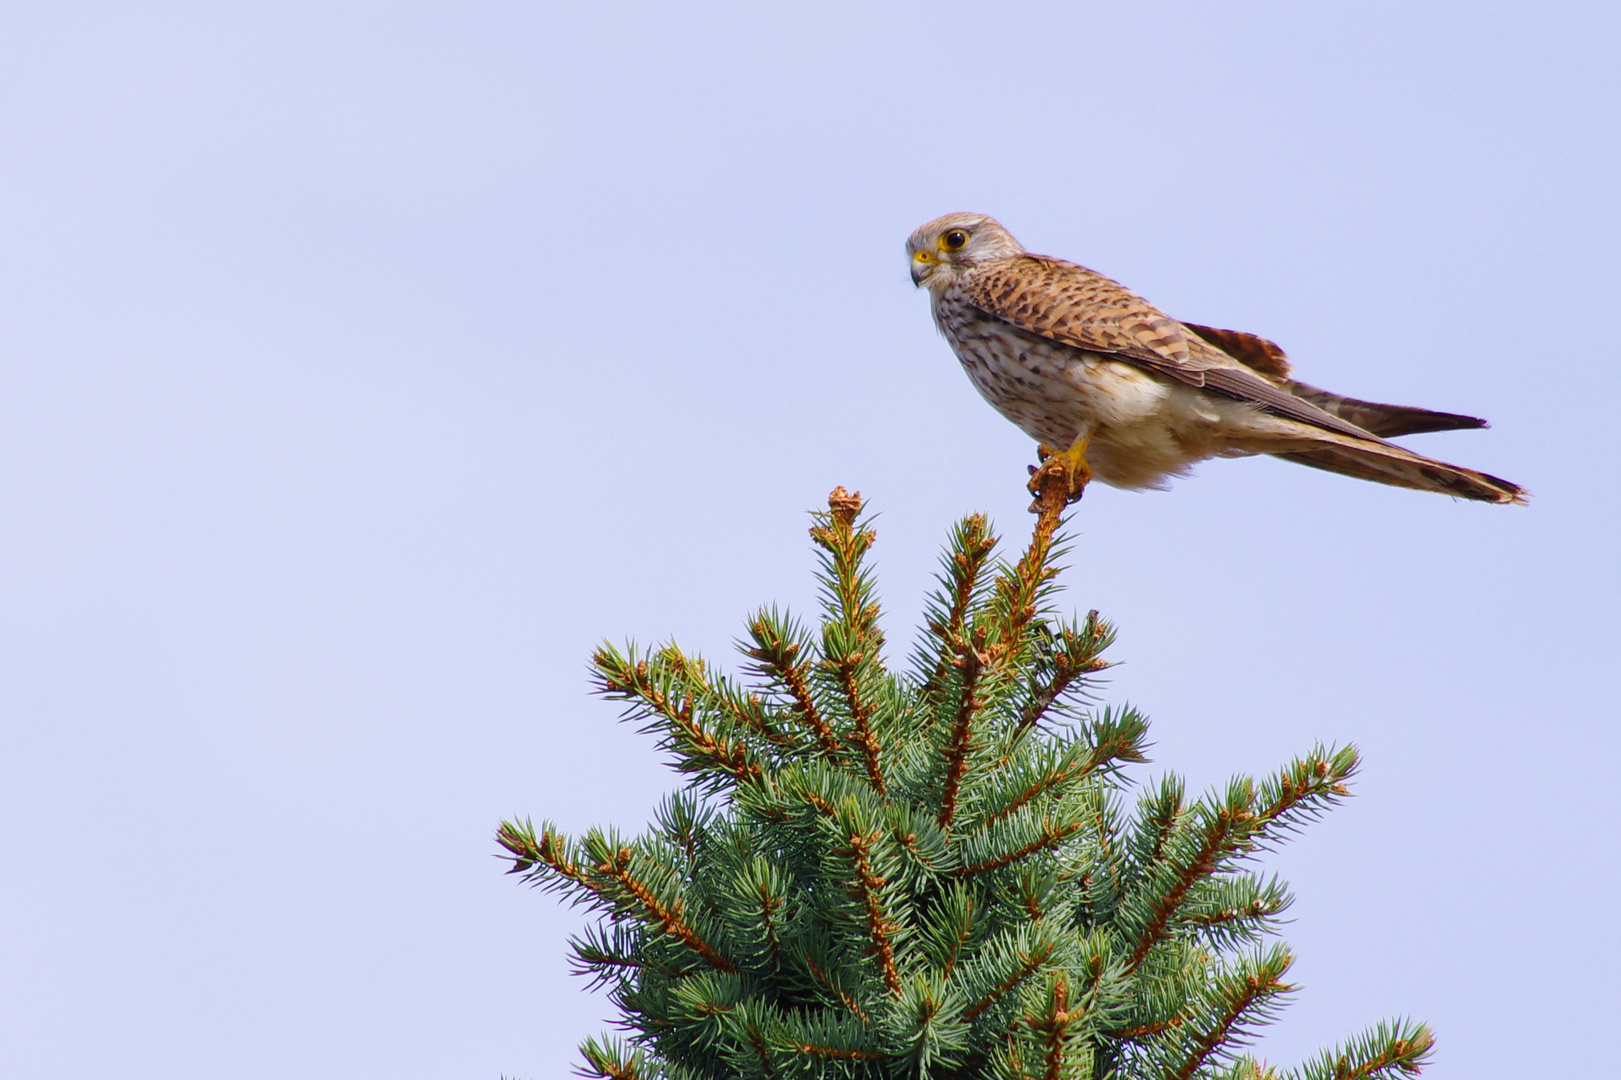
(933, 872)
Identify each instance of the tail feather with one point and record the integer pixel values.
(1268, 359)
(1385, 421)
(1384, 463)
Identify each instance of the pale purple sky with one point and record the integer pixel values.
(364, 364)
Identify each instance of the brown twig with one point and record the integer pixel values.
(529, 849)
(847, 546)
(1067, 668)
(1018, 592)
(1398, 1054)
(1162, 832)
(963, 935)
(1029, 964)
(1205, 1043)
(761, 1051)
(860, 713)
(849, 1002)
(668, 918)
(840, 1053)
(1217, 840)
(967, 565)
(636, 681)
(1055, 1029)
(973, 663)
(1148, 1029)
(909, 842)
(1050, 835)
(768, 908)
(609, 1069)
(1018, 589)
(840, 539)
(1051, 498)
(1046, 783)
(879, 926)
(748, 714)
(1043, 697)
(778, 657)
(1309, 779)
(1256, 910)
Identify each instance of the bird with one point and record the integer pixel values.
(1112, 388)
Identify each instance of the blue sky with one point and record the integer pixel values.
(364, 364)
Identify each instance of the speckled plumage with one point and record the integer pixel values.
(1066, 353)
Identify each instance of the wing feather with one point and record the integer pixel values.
(1256, 353)
(1081, 308)
(1074, 305)
(1387, 464)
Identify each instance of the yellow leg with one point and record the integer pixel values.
(1069, 464)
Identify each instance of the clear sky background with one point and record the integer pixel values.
(363, 364)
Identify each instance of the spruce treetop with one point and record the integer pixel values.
(936, 871)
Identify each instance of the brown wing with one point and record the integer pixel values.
(1256, 353)
(1085, 310)
(1069, 303)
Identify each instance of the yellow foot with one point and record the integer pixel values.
(1061, 467)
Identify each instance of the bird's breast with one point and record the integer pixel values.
(1052, 391)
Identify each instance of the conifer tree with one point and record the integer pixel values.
(933, 872)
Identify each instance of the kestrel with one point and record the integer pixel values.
(1133, 397)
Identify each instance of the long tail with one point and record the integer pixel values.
(1385, 421)
(1385, 463)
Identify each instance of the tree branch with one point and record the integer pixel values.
(777, 656)
(669, 919)
(879, 926)
(1050, 834)
(973, 664)
(974, 545)
(1217, 841)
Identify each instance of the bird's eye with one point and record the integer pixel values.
(954, 240)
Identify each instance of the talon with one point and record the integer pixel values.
(1069, 464)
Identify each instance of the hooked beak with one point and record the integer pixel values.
(923, 264)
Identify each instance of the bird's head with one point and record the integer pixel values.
(941, 250)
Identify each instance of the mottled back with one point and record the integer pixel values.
(1083, 309)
